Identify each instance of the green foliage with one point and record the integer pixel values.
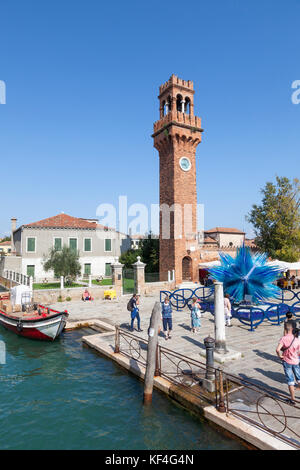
(64, 263)
(149, 249)
(276, 221)
(129, 257)
(68, 299)
(59, 298)
(6, 239)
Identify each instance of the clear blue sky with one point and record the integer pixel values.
(82, 82)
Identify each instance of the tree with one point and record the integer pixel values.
(129, 257)
(276, 221)
(64, 263)
(150, 253)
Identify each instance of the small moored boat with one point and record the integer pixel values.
(40, 323)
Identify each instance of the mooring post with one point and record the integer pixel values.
(152, 352)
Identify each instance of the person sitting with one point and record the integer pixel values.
(86, 296)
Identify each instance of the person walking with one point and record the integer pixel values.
(166, 314)
(195, 316)
(288, 351)
(133, 307)
(227, 309)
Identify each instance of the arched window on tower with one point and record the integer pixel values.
(179, 100)
(187, 106)
(169, 104)
(163, 106)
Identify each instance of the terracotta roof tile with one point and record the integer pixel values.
(224, 230)
(63, 221)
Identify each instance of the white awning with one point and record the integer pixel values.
(210, 264)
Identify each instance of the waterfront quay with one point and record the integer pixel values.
(276, 425)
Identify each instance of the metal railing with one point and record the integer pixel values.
(250, 315)
(18, 278)
(261, 407)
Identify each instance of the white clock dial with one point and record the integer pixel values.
(185, 163)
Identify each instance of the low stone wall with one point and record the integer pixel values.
(50, 296)
(156, 287)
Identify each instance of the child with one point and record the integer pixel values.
(227, 309)
(195, 315)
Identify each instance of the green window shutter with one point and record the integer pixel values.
(30, 270)
(107, 244)
(87, 244)
(87, 268)
(31, 244)
(107, 269)
(73, 244)
(57, 244)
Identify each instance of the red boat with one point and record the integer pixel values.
(41, 323)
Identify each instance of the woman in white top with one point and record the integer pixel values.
(227, 309)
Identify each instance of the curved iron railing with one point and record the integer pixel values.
(249, 315)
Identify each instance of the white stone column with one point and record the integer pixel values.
(31, 283)
(90, 280)
(220, 338)
(182, 106)
(139, 276)
(61, 282)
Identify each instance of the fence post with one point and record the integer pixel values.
(221, 407)
(117, 340)
(152, 352)
(157, 361)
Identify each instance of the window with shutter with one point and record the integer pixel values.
(108, 244)
(31, 244)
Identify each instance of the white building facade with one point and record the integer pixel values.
(98, 246)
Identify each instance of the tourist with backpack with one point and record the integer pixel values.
(132, 307)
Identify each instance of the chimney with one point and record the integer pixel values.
(13, 228)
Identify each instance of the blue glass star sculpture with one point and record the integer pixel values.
(247, 274)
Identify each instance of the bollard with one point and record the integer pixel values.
(209, 344)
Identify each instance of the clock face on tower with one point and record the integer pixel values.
(185, 163)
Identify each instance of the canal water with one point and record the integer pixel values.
(61, 395)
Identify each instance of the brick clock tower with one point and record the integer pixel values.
(176, 136)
